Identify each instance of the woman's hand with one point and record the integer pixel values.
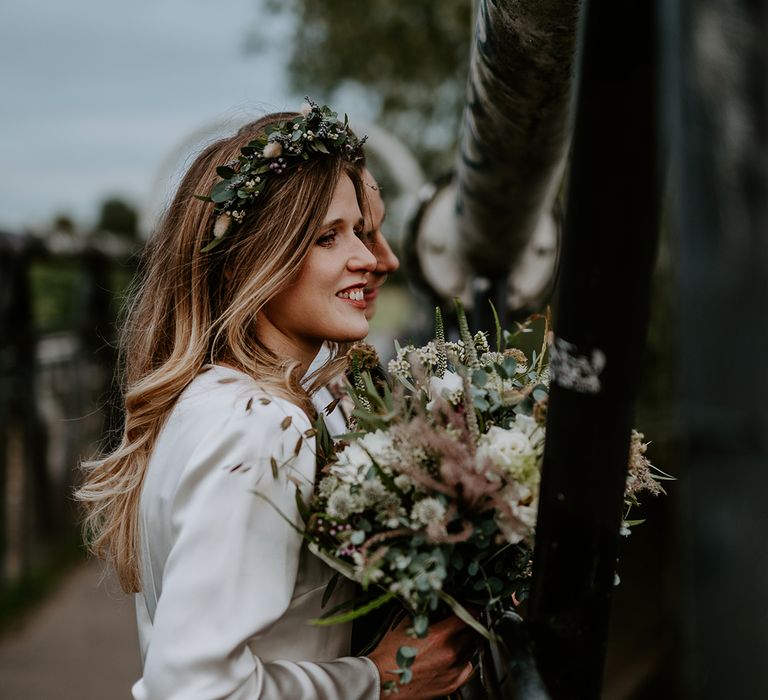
(442, 663)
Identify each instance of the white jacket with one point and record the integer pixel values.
(228, 587)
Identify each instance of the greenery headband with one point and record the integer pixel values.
(314, 132)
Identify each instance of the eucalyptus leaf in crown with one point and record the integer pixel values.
(316, 131)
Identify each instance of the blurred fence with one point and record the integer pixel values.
(59, 301)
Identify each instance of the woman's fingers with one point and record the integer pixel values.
(466, 674)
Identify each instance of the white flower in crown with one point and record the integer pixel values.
(222, 224)
(305, 109)
(353, 465)
(273, 150)
(450, 387)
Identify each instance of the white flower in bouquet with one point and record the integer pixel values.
(342, 503)
(481, 342)
(379, 447)
(389, 510)
(456, 351)
(405, 589)
(353, 465)
(427, 510)
(372, 492)
(400, 367)
(450, 387)
(488, 359)
(428, 354)
(517, 519)
(363, 571)
(528, 425)
(404, 482)
(402, 562)
(534, 431)
(511, 450)
(327, 486)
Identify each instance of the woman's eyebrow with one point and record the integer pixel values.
(337, 222)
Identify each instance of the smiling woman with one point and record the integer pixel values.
(238, 293)
(325, 302)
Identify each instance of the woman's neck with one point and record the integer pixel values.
(303, 351)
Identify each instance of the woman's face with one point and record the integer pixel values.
(326, 300)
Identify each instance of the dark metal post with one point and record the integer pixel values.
(19, 405)
(9, 284)
(717, 108)
(608, 253)
(98, 337)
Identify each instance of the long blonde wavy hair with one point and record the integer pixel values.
(191, 308)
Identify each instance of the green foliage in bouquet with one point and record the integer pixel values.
(431, 499)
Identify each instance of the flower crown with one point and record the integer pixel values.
(315, 131)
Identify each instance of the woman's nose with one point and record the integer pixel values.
(361, 257)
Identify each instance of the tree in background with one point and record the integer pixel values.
(117, 216)
(408, 57)
(63, 223)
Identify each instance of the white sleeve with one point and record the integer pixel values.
(231, 571)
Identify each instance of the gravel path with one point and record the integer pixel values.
(79, 644)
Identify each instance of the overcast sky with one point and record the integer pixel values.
(99, 96)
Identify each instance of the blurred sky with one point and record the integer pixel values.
(98, 95)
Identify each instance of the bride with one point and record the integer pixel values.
(238, 293)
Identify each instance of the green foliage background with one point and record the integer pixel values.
(408, 57)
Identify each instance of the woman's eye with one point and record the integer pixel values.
(327, 238)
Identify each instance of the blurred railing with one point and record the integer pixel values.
(59, 301)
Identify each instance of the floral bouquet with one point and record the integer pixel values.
(431, 499)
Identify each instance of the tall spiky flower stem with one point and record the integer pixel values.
(357, 375)
(442, 358)
(471, 356)
(469, 410)
(466, 336)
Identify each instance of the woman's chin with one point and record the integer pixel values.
(351, 335)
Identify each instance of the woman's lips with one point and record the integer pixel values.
(354, 296)
(371, 293)
(358, 304)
